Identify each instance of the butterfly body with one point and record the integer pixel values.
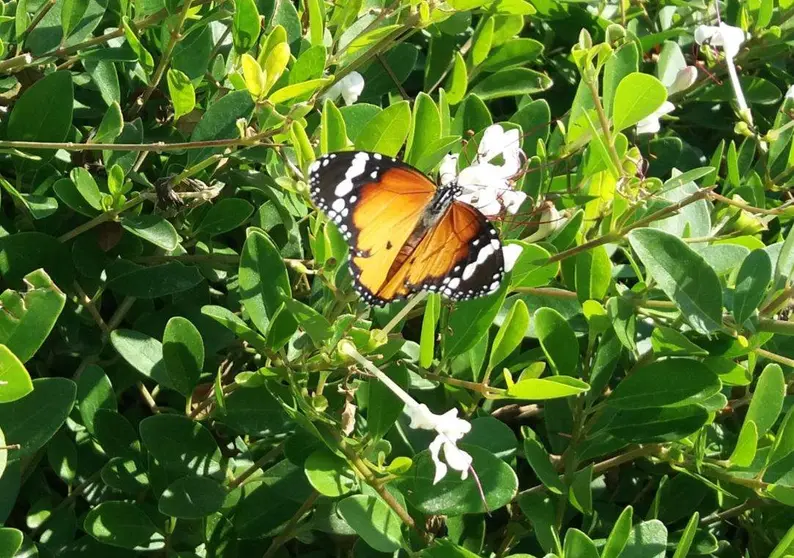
(405, 233)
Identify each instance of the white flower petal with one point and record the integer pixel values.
(730, 39)
(495, 141)
(510, 254)
(703, 33)
(421, 417)
(512, 200)
(457, 459)
(448, 169)
(650, 124)
(685, 78)
(435, 448)
(351, 87)
(790, 93)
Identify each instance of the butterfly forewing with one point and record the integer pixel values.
(377, 202)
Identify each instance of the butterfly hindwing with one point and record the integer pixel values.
(460, 257)
(377, 202)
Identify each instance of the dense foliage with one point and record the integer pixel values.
(186, 370)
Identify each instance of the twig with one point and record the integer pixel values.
(36, 20)
(731, 512)
(775, 357)
(289, 529)
(88, 304)
(157, 146)
(176, 34)
(267, 458)
(147, 397)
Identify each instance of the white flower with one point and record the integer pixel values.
(550, 221)
(790, 93)
(684, 79)
(450, 429)
(730, 39)
(349, 87)
(486, 185)
(448, 426)
(650, 124)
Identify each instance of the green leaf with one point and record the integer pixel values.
(427, 338)
(183, 95)
(387, 131)
(623, 62)
(192, 498)
(784, 440)
(263, 277)
(683, 275)
(104, 75)
(670, 342)
(553, 387)
(224, 216)
(531, 269)
(669, 382)
(637, 96)
(767, 401)
(156, 281)
(309, 65)
(35, 418)
(453, 496)
(10, 541)
(3, 454)
(470, 321)
(510, 334)
(42, 113)
(252, 411)
(662, 424)
(94, 392)
(115, 434)
(539, 510)
(373, 521)
(558, 341)
(87, 187)
(482, 42)
(746, 446)
(152, 228)
(425, 128)
(751, 283)
(457, 81)
(329, 474)
(384, 407)
(62, 456)
(512, 81)
(581, 493)
(578, 544)
(183, 353)
(220, 121)
(144, 57)
(333, 133)
(516, 52)
(593, 274)
(619, 535)
(123, 524)
(143, 353)
(647, 540)
(28, 319)
(539, 460)
(15, 379)
(299, 90)
(245, 25)
(181, 444)
(126, 475)
(685, 542)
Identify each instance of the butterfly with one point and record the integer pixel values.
(405, 233)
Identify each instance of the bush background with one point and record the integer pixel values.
(172, 305)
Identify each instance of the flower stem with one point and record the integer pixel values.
(602, 117)
(404, 312)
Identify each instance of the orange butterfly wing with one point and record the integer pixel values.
(460, 257)
(377, 202)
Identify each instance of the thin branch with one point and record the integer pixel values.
(159, 146)
(289, 529)
(36, 20)
(88, 304)
(265, 459)
(176, 34)
(775, 357)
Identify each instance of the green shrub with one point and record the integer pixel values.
(187, 370)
